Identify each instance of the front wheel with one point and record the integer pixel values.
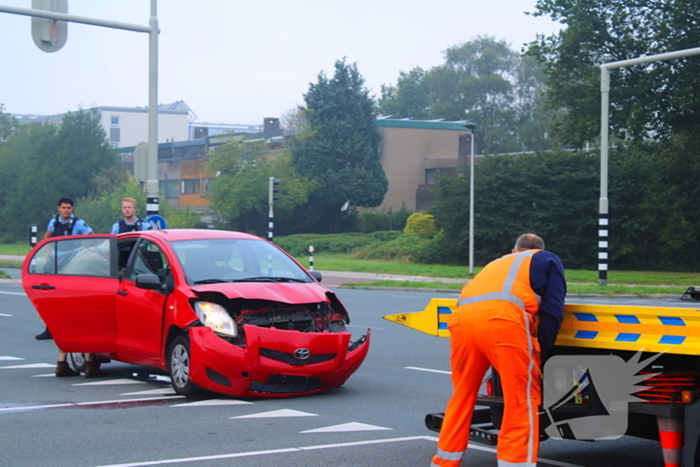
(179, 366)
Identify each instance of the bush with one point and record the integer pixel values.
(373, 221)
(399, 218)
(401, 248)
(436, 251)
(421, 223)
(298, 245)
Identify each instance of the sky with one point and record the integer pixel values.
(235, 61)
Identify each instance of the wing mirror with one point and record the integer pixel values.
(316, 275)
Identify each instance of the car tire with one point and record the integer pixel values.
(77, 361)
(179, 364)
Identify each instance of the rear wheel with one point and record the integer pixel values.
(77, 361)
(179, 366)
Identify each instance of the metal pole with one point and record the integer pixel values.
(471, 210)
(152, 207)
(271, 213)
(603, 202)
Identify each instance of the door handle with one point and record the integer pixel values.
(121, 292)
(43, 287)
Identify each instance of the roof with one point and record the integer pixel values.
(421, 124)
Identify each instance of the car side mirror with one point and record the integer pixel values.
(316, 275)
(148, 282)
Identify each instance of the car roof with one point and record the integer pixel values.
(171, 235)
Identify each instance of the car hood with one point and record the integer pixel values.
(284, 292)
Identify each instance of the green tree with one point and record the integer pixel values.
(8, 124)
(340, 147)
(240, 190)
(483, 80)
(652, 99)
(41, 164)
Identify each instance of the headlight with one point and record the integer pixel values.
(216, 317)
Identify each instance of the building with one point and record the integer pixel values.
(415, 154)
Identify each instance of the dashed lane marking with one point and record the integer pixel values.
(7, 357)
(87, 404)
(13, 293)
(162, 391)
(428, 370)
(278, 414)
(29, 365)
(211, 402)
(345, 427)
(110, 382)
(5, 314)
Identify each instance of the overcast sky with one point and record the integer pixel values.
(239, 61)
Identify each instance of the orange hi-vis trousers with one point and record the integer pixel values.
(499, 334)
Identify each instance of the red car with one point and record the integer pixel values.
(225, 311)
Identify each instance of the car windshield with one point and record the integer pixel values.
(208, 261)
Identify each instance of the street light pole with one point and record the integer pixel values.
(471, 126)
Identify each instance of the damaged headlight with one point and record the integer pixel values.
(216, 317)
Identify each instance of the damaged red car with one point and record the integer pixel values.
(225, 311)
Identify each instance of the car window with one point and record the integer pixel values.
(149, 259)
(211, 260)
(76, 257)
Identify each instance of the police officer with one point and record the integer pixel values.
(63, 223)
(130, 222)
(510, 309)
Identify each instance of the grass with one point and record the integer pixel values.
(639, 291)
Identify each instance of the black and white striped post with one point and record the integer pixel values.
(311, 258)
(32, 235)
(274, 195)
(603, 249)
(152, 206)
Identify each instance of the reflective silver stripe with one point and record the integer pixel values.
(505, 293)
(450, 456)
(491, 296)
(530, 366)
(515, 464)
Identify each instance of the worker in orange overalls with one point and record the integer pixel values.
(510, 309)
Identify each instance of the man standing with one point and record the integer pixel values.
(63, 223)
(130, 222)
(514, 306)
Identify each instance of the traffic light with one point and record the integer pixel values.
(274, 189)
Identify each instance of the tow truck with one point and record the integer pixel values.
(667, 337)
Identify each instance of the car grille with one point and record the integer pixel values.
(289, 358)
(287, 384)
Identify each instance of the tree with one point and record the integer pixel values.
(239, 192)
(340, 147)
(41, 164)
(481, 80)
(8, 124)
(647, 100)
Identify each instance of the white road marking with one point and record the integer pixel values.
(345, 427)
(262, 453)
(30, 365)
(110, 382)
(365, 327)
(7, 357)
(82, 404)
(14, 293)
(278, 414)
(163, 391)
(53, 375)
(213, 402)
(479, 447)
(5, 314)
(428, 370)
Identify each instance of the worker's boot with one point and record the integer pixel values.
(92, 370)
(44, 335)
(62, 369)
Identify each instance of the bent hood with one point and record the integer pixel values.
(284, 292)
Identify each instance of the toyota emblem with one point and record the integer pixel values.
(302, 354)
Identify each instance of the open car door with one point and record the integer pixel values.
(72, 282)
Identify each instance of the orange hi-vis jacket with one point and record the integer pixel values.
(494, 325)
(506, 278)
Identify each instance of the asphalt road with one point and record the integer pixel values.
(133, 418)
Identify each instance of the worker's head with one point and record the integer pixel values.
(528, 241)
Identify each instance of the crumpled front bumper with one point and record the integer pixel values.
(274, 362)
